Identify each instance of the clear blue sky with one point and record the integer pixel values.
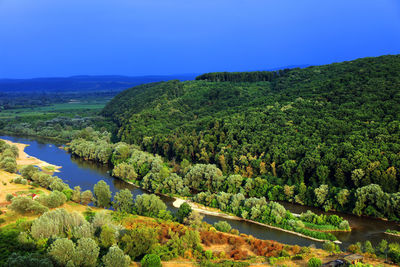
(44, 38)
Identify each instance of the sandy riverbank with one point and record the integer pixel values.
(24, 159)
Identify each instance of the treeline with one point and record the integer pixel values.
(185, 179)
(151, 173)
(336, 125)
(254, 76)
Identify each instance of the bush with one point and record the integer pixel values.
(314, 262)
(151, 260)
(53, 200)
(223, 226)
(116, 257)
(26, 204)
(9, 197)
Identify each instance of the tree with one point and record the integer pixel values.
(222, 226)
(28, 172)
(151, 260)
(116, 257)
(183, 212)
(138, 242)
(102, 194)
(107, 236)
(149, 205)
(123, 201)
(53, 200)
(321, 193)
(76, 194)
(194, 219)
(204, 177)
(86, 197)
(62, 251)
(368, 247)
(86, 252)
(28, 260)
(342, 197)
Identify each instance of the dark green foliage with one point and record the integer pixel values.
(28, 260)
(183, 212)
(138, 242)
(254, 76)
(335, 125)
(151, 260)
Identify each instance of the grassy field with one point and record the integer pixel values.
(54, 109)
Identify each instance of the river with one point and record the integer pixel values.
(86, 174)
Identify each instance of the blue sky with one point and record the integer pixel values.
(44, 38)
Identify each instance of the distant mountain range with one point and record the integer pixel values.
(85, 83)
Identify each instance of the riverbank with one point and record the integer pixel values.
(24, 159)
(178, 202)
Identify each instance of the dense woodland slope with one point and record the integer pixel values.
(337, 124)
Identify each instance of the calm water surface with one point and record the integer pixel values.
(86, 174)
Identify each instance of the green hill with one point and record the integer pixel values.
(336, 124)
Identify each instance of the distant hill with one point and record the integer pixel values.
(85, 83)
(336, 124)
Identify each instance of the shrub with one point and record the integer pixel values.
(26, 204)
(151, 260)
(29, 171)
(314, 262)
(223, 226)
(52, 200)
(116, 257)
(86, 197)
(9, 197)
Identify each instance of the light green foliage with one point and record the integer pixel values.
(151, 260)
(116, 257)
(124, 171)
(76, 194)
(24, 204)
(86, 253)
(86, 197)
(62, 251)
(123, 200)
(101, 218)
(194, 219)
(52, 200)
(28, 171)
(108, 236)
(57, 223)
(314, 262)
(102, 194)
(222, 226)
(149, 205)
(204, 177)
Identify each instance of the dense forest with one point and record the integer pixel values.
(328, 127)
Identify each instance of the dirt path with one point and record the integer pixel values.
(24, 159)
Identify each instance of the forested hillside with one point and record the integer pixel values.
(336, 124)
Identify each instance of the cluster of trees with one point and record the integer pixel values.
(384, 250)
(258, 209)
(8, 155)
(254, 76)
(336, 125)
